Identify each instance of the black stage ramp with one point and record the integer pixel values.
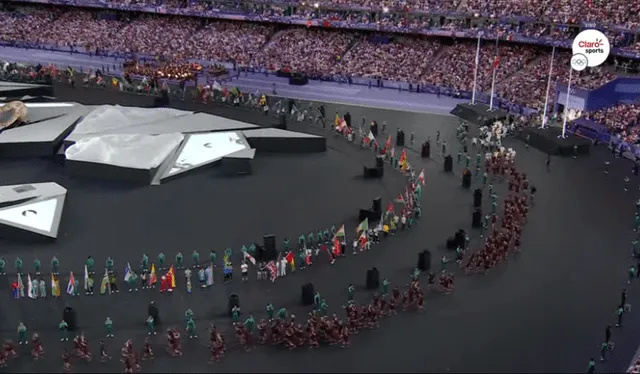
(284, 141)
(238, 163)
(478, 114)
(43, 138)
(549, 140)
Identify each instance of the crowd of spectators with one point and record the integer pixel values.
(521, 76)
(529, 86)
(405, 60)
(622, 119)
(617, 12)
(311, 51)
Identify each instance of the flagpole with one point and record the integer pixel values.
(566, 104)
(475, 71)
(493, 79)
(546, 98)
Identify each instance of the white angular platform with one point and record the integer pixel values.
(132, 158)
(109, 119)
(34, 208)
(199, 150)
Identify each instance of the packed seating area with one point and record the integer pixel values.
(529, 86)
(616, 12)
(622, 119)
(324, 54)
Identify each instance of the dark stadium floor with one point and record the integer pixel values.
(544, 312)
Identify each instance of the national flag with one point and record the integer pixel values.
(189, 286)
(342, 125)
(104, 284)
(20, 286)
(115, 82)
(401, 199)
(509, 38)
(393, 152)
(363, 226)
(496, 62)
(249, 258)
(340, 233)
(336, 122)
(291, 259)
(216, 86)
(153, 278)
(406, 194)
(31, 293)
(388, 143)
(172, 277)
(86, 278)
(421, 177)
(337, 248)
(372, 138)
(363, 239)
(271, 266)
(71, 286)
(209, 273)
(403, 157)
(55, 286)
(391, 208)
(128, 273)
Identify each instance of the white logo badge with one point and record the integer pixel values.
(579, 62)
(594, 45)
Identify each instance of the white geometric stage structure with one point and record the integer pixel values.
(35, 208)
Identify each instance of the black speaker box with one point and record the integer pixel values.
(373, 279)
(460, 238)
(270, 252)
(426, 150)
(379, 162)
(308, 291)
(234, 300)
(476, 219)
(424, 260)
(70, 317)
(376, 208)
(371, 173)
(477, 198)
(367, 214)
(448, 164)
(466, 179)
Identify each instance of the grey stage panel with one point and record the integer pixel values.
(47, 130)
(39, 114)
(244, 154)
(277, 140)
(193, 123)
(39, 139)
(19, 192)
(277, 133)
(39, 216)
(10, 86)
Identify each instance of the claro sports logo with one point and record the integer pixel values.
(592, 47)
(593, 44)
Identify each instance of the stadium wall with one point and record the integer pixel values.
(612, 93)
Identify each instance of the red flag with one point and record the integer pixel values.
(289, 257)
(421, 177)
(496, 62)
(387, 144)
(391, 208)
(337, 250)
